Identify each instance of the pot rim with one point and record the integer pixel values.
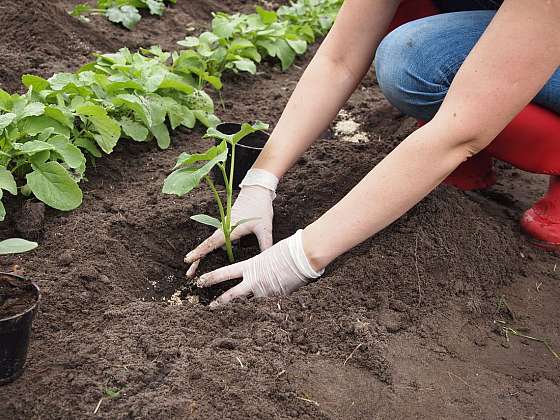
(245, 146)
(240, 144)
(32, 307)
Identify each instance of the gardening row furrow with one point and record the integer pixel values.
(48, 133)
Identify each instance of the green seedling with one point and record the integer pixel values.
(191, 169)
(16, 246)
(124, 12)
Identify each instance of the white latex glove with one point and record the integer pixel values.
(278, 271)
(258, 190)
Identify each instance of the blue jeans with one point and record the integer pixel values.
(416, 63)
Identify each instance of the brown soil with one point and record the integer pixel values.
(16, 296)
(402, 326)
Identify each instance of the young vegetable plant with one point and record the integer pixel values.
(16, 246)
(191, 169)
(125, 12)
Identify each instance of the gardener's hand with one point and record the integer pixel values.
(258, 190)
(278, 271)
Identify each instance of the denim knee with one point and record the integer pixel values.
(405, 75)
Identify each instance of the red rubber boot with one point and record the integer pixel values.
(542, 221)
(477, 173)
(531, 142)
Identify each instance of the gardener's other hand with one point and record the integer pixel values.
(258, 190)
(278, 271)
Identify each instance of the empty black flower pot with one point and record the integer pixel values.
(19, 298)
(246, 153)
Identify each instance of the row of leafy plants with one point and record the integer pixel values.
(48, 134)
(124, 12)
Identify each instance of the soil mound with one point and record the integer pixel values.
(39, 37)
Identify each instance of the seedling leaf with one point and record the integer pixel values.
(7, 181)
(16, 246)
(54, 186)
(207, 220)
(242, 221)
(127, 15)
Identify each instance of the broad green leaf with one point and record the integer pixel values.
(186, 160)
(6, 120)
(40, 157)
(38, 83)
(33, 109)
(2, 210)
(207, 220)
(189, 120)
(34, 146)
(127, 15)
(208, 120)
(240, 44)
(267, 16)
(70, 153)
(285, 53)
(7, 181)
(107, 144)
(172, 81)
(134, 129)
(61, 115)
(184, 180)
(36, 125)
(114, 85)
(189, 42)
(269, 46)
(109, 130)
(245, 65)
(214, 81)
(54, 186)
(199, 100)
(156, 106)
(153, 82)
(161, 133)
(6, 102)
(222, 27)
(89, 145)
(298, 45)
(60, 80)
(136, 104)
(16, 245)
(46, 134)
(156, 7)
(208, 38)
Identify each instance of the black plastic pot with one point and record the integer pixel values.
(15, 331)
(246, 153)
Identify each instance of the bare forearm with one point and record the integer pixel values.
(388, 191)
(319, 95)
(498, 78)
(331, 77)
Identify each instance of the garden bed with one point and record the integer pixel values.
(402, 326)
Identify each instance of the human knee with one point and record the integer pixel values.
(406, 75)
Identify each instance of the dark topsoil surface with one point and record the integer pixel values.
(402, 326)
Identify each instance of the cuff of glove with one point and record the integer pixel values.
(295, 245)
(262, 178)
